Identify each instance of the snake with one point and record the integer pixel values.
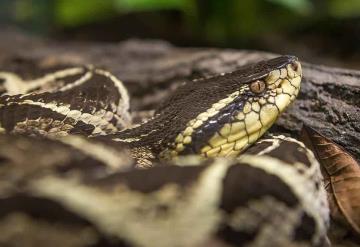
(201, 171)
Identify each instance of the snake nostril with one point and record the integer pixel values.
(294, 66)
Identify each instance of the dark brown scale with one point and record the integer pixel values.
(50, 211)
(14, 114)
(31, 69)
(260, 146)
(54, 215)
(253, 189)
(2, 87)
(237, 238)
(95, 94)
(81, 128)
(291, 152)
(288, 151)
(303, 233)
(151, 180)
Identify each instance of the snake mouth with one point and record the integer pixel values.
(259, 113)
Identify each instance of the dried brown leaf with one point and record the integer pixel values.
(341, 176)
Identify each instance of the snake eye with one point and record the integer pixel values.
(257, 86)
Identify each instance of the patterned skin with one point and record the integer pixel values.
(270, 195)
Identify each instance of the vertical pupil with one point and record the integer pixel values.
(257, 86)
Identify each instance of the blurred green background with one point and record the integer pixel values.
(320, 30)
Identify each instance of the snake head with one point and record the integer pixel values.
(249, 102)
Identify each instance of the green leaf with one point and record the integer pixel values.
(141, 5)
(299, 6)
(73, 13)
(344, 8)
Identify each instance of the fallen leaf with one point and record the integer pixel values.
(341, 177)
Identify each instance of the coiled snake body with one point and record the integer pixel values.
(198, 190)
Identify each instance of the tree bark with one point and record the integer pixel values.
(328, 102)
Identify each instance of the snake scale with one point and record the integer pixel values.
(75, 171)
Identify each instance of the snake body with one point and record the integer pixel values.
(199, 189)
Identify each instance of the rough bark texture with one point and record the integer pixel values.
(329, 100)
